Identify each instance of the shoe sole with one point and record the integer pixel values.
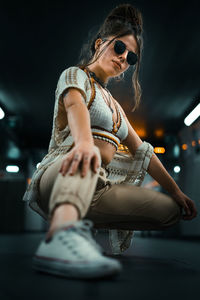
(92, 270)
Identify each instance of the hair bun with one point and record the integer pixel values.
(129, 14)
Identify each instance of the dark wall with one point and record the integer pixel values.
(12, 206)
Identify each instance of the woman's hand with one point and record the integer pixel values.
(83, 155)
(186, 203)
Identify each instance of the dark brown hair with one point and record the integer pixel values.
(122, 20)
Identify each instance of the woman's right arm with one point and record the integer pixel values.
(79, 124)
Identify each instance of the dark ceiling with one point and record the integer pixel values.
(40, 39)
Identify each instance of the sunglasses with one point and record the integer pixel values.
(120, 48)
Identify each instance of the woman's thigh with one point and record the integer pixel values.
(132, 207)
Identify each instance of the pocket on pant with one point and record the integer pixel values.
(102, 186)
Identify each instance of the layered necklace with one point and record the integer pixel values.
(92, 74)
(103, 85)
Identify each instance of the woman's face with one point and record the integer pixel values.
(111, 63)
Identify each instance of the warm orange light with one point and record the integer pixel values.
(159, 133)
(141, 132)
(139, 126)
(151, 184)
(199, 141)
(159, 150)
(28, 180)
(193, 143)
(184, 146)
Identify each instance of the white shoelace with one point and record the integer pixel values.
(84, 229)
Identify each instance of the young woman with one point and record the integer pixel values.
(72, 182)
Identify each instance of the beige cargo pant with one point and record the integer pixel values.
(108, 205)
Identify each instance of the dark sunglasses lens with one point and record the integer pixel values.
(131, 58)
(119, 47)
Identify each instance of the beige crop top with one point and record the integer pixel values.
(102, 125)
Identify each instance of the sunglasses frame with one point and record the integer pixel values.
(130, 53)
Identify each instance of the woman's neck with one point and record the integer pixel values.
(98, 72)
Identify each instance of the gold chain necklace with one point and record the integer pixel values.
(102, 86)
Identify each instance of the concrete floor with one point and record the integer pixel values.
(153, 268)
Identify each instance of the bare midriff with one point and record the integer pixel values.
(107, 150)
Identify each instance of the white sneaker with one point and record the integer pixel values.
(72, 252)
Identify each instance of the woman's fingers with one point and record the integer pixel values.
(85, 164)
(70, 164)
(74, 164)
(85, 160)
(65, 165)
(90, 162)
(96, 163)
(187, 204)
(190, 210)
(187, 209)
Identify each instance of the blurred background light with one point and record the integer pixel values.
(177, 169)
(12, 169)
(141, 132)
(159, 133)
(160, 150)
(184, 147)
(176, 150)
(195, 113)
(2, 114)
(13, 152)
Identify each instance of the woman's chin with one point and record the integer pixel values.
(113, 72)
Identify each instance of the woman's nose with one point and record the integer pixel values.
(123, 56)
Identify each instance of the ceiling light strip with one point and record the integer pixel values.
(195, 113)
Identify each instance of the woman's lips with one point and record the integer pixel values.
(117, 64)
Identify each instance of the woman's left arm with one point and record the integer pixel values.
(160, 174)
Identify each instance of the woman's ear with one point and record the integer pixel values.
(98, 43)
